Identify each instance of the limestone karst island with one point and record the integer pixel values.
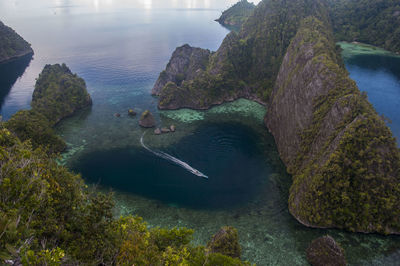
(224, 132)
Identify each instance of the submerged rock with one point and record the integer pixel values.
(147, 119)
(324, 251)
(226, 241)
(131, 112)
(165, 130)
(157, 131)
(117, 115)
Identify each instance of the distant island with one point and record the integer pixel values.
(343, 158)
(12, 46)
(237, 14)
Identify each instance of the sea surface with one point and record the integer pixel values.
(119, 47)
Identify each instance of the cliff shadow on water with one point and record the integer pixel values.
(9, 74)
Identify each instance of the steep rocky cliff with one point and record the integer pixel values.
(12, 45)
(344, 160)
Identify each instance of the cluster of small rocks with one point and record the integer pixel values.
(159, 131)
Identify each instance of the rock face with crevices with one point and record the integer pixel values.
(343, 158)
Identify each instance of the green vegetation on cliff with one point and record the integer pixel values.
(58, 93)
(237, 14)
(11, 44)
(49, 217)
(34, 126)
(375, 22)
(347, 170)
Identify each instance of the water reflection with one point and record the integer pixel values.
(9, 73)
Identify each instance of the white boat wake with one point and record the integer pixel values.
(172, 159)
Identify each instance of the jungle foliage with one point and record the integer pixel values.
(48, 216)
(374, 22)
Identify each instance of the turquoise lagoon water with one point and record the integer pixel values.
(119, 47)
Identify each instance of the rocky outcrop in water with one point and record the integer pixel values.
(343, 157)
(324, 251)
(59, 93)
(147, 120)
(226, 241)
(12, 45)
(237, 14)
(131, 112)
(186, 63)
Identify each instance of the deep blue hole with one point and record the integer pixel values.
(227, 153)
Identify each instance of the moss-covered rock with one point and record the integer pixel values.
(131, 112)
(226, 241)
(324, 251)
(147, 119)
(12, 45)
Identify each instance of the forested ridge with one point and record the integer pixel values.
(11, 44)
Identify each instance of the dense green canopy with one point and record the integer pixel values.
(11, 44)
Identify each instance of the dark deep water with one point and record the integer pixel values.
(119, 47)
(228, 154)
